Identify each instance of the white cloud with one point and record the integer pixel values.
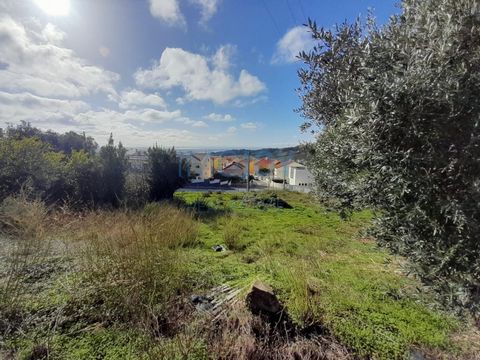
(133, 99)
(194, 123)
(248, 102)
(249, 126)
(133, 135)
(223, 56)
(219, 117)
(291, 44)
(200, 81)
(126, 127)
(25, 106)
(131, 116)
(52, 34)
(232, 130)
(36, 63)
(208, 8)
(168, 11)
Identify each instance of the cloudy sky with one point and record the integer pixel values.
(189, 73)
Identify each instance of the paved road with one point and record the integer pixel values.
(241, 188)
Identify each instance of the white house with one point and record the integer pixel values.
(294, 174)
(298, 175)
(281, 171)
(200, 166)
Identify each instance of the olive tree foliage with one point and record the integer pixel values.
(396, 112)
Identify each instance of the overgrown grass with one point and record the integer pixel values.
(134, 261)
(327, 274)
(121, 288)
(22, 220)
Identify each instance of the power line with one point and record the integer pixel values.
(302, 10)
(291, 12)
(272, 18)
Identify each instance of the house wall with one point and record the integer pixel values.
(234, 171)
(300, 177)
(195, 168)
(277, 186)
(281, 173)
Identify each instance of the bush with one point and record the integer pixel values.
(132, 263)
(398, 108)
(30, 162)
(136, 191)
(231, 234)
(163, 173)
(23, 221)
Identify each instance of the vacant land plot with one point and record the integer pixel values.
(119, 284)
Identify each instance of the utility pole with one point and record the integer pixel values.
(248, 170)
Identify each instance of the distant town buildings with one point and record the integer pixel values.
(202, 167)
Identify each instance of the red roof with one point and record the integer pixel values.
(264, 163)
(280, 164)
(232, 164)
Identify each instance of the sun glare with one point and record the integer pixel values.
(54, 7)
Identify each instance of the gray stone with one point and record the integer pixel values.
(262, 299)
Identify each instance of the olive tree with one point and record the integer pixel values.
(396, 113)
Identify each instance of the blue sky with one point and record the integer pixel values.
(189, 73)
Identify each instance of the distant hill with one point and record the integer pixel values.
(294, 153)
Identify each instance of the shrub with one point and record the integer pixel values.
(30, 161)
(136, 191)
(22, 217)
(163, 173)
(132, 262)
(23, 221)
(231, 234)
(398, 109)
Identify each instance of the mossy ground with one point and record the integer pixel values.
(322, 267)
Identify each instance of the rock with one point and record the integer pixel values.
(262, 299)
(275, 320)
(219, 248)
(202, 303)
(416, 354)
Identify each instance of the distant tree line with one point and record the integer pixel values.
(69, 168)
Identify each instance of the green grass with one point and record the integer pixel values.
(320, 266)
(325, 273)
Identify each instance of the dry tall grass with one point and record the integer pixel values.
(231, 233)
(133, 261)
(243, 336)
(24, 242)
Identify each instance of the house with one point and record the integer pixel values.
(281, 171)
(235, 169)
(264, 164)
(298, 175)
(201, 166)
(294, 173)
(217, 163)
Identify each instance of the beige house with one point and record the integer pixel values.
(235, 169)
(201, 166)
